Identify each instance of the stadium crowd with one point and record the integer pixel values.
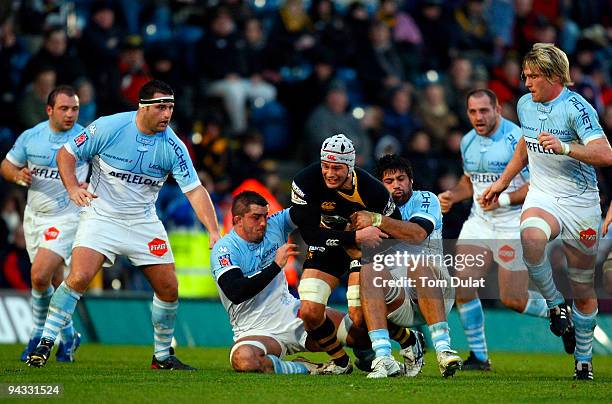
(260, 84)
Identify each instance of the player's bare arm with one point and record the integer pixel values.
(516, 198)
(404, 230)
(66, 163)
(596, 153)
(462, 191)
(515, 165)
(18, 175)
(202, 205)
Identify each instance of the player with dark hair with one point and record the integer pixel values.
(50, 219)
(421, 229)
(247, 265)
(132, 154)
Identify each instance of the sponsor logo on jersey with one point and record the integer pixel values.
(531, 128)
(559, 132)
(92, 129)
(183, 166)
(426, 203)
(110, 156)
(136, 179)
(158, 247)
(223, 250)
(588, 237)
(327, 205)
(484, 178)
(506, 253)
(584, 112)
(354, 264)
(79, 140)
(225, 260)
(332, 242)
(51, 233)
(536, 147)
(45, 173)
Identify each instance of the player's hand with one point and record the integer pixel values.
(607, 221)
(487, 206)
(550, 142)
(81, 197)
(23, 177)
(361, 220)
(493, 192)
(213, 237)
(446, 201)
(284, 252)
(83, 185)
(370, 236)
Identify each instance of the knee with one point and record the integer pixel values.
(534, 245)
(78, 281)
(245, 359)
(311, 315)
(41, 279)
(167, 290)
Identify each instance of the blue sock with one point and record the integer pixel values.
(40, 308)
(536, 305)
(61, 307)
(541, 275)
(381, 344)
(472, 318)
(163, 316)
(287, 368)
(440, 336)
(67, 333)
(585, 326)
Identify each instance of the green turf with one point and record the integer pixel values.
(121, 374)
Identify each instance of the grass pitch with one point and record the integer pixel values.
(106, 373)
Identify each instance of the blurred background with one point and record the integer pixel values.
(260, 83)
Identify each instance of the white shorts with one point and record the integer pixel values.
(291, 337)
(580, 224)
(142, 241)
(503, 242)
(409, 314)
(53, 232)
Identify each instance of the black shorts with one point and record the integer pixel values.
(331, 260)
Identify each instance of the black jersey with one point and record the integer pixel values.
(322, 214)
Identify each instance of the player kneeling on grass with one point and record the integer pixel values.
(392, 291)
(247, 266)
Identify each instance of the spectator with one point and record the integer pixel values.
(87, 102)
(223, 62)
(456, 86)
(381, 68)
(399, 121)
(99, 49)
(32, 104)
(56, 54)
(292, 36)
(435, 26)
(133, 71)
(331, 117)
(435, 114)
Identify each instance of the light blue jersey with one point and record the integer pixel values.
(484, 159)
(274, 306)
(130, 167)
(570, 118)
(425, 205)
(37, 148)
